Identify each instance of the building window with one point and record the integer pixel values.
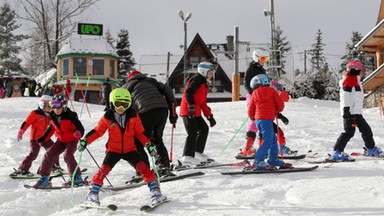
(98, 67)
(80, 66)
(65, 67)
(112, 68)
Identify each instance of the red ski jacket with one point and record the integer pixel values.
(38, 121)
(265, 104)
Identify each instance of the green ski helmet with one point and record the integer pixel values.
(120, 98)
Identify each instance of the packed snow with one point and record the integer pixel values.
(337, 189)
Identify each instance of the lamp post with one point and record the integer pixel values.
(271, 14)
(185, 19)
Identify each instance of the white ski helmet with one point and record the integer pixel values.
(44, 100)
(258, 53)
(204, 67)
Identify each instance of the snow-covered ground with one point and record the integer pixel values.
(341, 189)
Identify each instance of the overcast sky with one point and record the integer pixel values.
(155, 27)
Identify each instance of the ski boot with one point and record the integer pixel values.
(78, 181)
(374, 152)
(93, 195)
(190, 161)
(249, 150)
(279, 163)
(156, 195)
(20, 172)
(287, 150)
(164, 171)
(338, 155)
(205, 159)
(43, 182)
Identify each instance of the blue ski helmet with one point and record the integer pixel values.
(259, 80)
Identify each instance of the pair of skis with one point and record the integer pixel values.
(112, 207)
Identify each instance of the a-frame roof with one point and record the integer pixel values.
(198, 42)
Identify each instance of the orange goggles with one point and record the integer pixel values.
(264, 58)
(121, 105)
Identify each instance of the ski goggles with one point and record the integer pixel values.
(55, 104)
(121, 105)
(264, 58)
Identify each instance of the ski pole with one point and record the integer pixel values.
(155, 170)
(73, 176)
(85, 95)
(82, 93)
(237, 131)
(98, 166)
(172, 131)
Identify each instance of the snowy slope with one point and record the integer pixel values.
(342, 189)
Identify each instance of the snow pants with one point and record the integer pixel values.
(269, 146)
(133, 158)
(154, 123)
(349, 131)
(57, 148)
(34, 152)
(197, 130)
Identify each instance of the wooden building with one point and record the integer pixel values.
(373, 44)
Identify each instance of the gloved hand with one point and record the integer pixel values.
(83, 145)
(346, 113)
(20, 134)
(212, 121)
(40, 141)
(283, 118)
(77, 134)
(173, 118)
(151, 149)
(191, 111)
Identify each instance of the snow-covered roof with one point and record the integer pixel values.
(87, 45)
(45, 77)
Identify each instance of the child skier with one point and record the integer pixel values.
(264, 106)
(68, 130)
(193, 105)
(351, 105)
(38, 119)
(123, 124)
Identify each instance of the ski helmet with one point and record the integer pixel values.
(260, 54)
(259, 80)
(204, 67)
(120, 98)
(59, 101)
(355, 65)
(44, 101)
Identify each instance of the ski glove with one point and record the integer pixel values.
(283, 118)
(346, 113)
(212, 121)
(20, 134)
(191, 111)
(77, 134)
(82, 146)
(173, 118)
(151, 149)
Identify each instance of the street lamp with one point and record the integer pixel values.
(271, 13)
(185, 19)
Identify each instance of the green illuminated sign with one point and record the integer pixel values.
(90, 29)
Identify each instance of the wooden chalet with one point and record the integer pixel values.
(373, 44)
(198, 52)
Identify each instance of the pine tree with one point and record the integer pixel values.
(109, 38)
(352, 53)
(126, 61)
(9, 48)
(283, 46)
(318, 59)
